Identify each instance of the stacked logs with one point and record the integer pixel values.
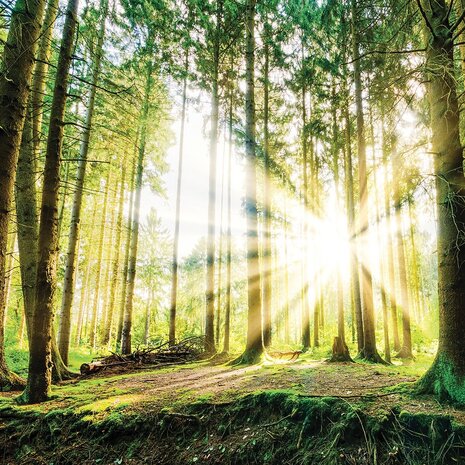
(187, 350)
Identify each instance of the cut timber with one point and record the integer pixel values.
(87, 368)
(340, 351)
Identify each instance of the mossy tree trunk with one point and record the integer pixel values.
(40, 357)
(16, 66)
(446, 377)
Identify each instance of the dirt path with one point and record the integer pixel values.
(179, 386)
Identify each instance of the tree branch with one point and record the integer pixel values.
(386, 52)
(457, 23)
(422, 11)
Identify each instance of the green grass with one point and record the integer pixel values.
(18, 358)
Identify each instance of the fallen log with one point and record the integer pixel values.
(184, 351)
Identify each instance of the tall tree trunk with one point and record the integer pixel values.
(40, 74)
(254, 345)
(8, 379)
(127, 248)
(61, 211)
(127, 321)
(266, 260)
(406, 349)
(220, 258)
(110, 251)
(305, 304)
(40, 357)
(227, 310)
(384, 300)
(415, 264)
(354, 265)
(369, 351)
(210, 275)
(26, 192)
(174, 272)
(340, 349)
(446, 377)
(115, 262)
(147, 320)
(86, 278)
(98, 266)
(287, 331)
(390, 245)
(16, 68)
(64, 329)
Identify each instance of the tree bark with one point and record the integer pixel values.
(98, 267)
(64, 330)
(406, 349)
(127, 248)
(174, 272)
(210, 275)
(369, 351)
(340, 349)
(305, 304)
(16, 68)
(254, 345)
(227, 310)
(40, 358)
(266, 259)
(115, 263)
(127, 321)
(446, 377)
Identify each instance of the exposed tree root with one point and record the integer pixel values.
(405, 354)
(249, 357)
(442, 381)
(10, 381)
(340, 351)
(371, 357)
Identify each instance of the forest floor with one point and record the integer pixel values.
(208, 412)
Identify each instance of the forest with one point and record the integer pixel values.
(232, 232)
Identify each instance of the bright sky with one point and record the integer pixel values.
(194, 196)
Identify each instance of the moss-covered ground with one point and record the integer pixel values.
(305, 412)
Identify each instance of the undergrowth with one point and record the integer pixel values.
(272, 427)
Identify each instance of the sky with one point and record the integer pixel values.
(194, 195)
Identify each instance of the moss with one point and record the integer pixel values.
(271, 427)
(443, 381)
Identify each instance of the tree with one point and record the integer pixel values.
(127, 321)
(15, 76)
(68, 287)
(40, 361)
(446, 376)
(369, 351)
(254, 345)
